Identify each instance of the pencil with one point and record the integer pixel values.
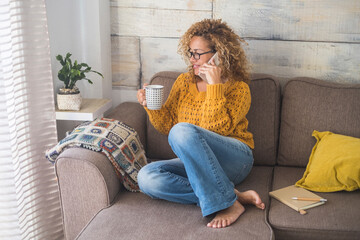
(309, 199)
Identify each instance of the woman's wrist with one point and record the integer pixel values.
(215, 91)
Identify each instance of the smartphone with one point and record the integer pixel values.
(216, 61)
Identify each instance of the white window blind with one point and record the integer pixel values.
(29, 200)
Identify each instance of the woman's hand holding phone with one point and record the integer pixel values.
(210, 72)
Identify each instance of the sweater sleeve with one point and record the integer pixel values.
(166, 117)
(222, 111)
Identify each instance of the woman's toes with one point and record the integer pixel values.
(221, 224)
(216, 224)
(227, 216)
(210, 224)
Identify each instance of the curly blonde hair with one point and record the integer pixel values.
(225, 41)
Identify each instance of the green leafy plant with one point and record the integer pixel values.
(70, 72)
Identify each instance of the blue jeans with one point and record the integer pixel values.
(205, 172)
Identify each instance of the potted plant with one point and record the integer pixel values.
(68, 97)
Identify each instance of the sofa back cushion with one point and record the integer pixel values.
(311, 104)
(264, 117)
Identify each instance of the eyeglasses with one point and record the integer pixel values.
(197, 55)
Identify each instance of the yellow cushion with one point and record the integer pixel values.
(334, 164)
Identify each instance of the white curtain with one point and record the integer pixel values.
(29, 201)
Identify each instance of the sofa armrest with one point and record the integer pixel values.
(87, 184)
(134, 115)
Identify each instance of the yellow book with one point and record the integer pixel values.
(306, 199)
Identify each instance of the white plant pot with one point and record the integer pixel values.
(69, 101)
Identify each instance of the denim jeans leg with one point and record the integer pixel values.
(167, 180)
(213, 164)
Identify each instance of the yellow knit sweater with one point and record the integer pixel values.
(221, 109)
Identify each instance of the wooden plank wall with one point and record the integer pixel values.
(286, 38)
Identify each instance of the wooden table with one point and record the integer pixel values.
(91, 108)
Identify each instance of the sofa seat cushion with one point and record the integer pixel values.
(338, 218)
(137, 216)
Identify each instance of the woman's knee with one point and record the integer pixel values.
(181, 133)
(149, 179)
(144, 177)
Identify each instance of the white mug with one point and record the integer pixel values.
(154, 95)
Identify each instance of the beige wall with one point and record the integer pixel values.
(287, 38)
(81, 27)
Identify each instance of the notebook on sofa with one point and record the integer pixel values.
(286, 195)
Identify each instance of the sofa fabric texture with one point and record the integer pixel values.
(311, 104)
(264, 118)
(159, 219)
(95, 206)
(87, 183)
(338, 218)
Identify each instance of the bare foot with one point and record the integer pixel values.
(250, 197)
(227, 216)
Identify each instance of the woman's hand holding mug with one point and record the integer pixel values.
(141, 95)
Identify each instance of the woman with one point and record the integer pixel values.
(207, 128)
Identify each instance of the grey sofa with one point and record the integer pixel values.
(95, 206)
